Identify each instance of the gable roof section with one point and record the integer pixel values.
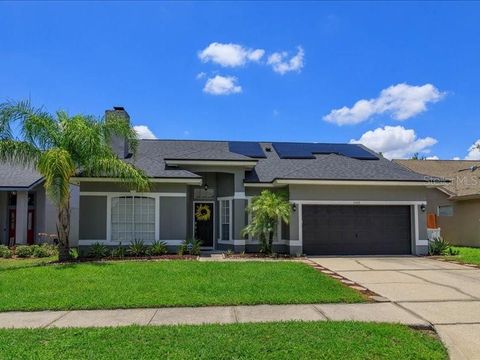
(462, 176)
(18, 177)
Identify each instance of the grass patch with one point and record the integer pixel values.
(467, 255)
(135, 284)
(287, 340)
(18, 263)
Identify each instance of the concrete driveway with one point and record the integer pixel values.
(445, 294)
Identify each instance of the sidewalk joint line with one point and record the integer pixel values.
(321, 312)
(56, 319)
(153, 316)
(235, 315)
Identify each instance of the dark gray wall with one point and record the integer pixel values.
(173, 218)
(93, 215)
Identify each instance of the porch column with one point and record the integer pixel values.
(21, 218)
(239, 205)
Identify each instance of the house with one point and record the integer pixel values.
(454, 207)
(346, 199)
(25, 211)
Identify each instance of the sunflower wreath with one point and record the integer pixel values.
(203, 213)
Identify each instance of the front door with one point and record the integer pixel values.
(11, 226)
(203, 222)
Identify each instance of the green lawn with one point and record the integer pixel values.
(132, 284)
(467, 255)
(287, 340)
(28, 262)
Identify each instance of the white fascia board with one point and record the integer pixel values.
(240, 163)
(190, 181)
(351, 182)
(260, 185)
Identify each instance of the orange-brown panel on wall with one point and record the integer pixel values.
(431, 221)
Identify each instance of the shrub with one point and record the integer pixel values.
(51, 249)
(5, 252)
(438, 246)
(40, 251)
(137, 248)
(23, 251)
(118, 252)
(190, 246)
(98, 250)
(158, 248)
(73, 254)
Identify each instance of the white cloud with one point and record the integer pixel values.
(229, 55)
(222, 85)
(401, 101)
(456, 158)
(474, 151)
(200, 75)
(144, 132)
(434, 157)
(281, 64)
(395, 142)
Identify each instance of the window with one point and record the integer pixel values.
(225, 219)
(445, 210)
(133, 218)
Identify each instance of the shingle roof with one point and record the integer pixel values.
(17, 177)
(151, 157)
(329, 167)
(463, 175)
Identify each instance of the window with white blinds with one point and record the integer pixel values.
(225, 219)
(133, 218)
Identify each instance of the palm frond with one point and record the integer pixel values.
(57, 167)
(111, 166)
(116, 125)
(19, 152)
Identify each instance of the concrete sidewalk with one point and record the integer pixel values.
(376, 312)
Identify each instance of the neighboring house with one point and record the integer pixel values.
(345, 198)
(25, 211)
(454, 207)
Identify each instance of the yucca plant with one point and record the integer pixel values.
(267, 210)
(59, 146)
(137, 248)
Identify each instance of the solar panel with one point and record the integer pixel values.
(307, 150)
(247, 148)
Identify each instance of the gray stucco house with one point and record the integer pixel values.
(346, 199)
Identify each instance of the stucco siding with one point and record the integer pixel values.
(463, 228)
(119, 187)
(93, 218)
(173, 218)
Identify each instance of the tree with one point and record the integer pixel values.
(59, 146)
(267, 210)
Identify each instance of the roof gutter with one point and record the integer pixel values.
(188, 181)
(240, 163)
(22, 188)
(280, 182)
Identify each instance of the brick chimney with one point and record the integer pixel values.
(119, 144)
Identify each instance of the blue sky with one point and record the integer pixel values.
(257, 71)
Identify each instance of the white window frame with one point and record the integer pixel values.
(108, 220)
(134, 232)
(230, 213)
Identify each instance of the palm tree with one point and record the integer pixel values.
(267, 210)
(59, 146)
